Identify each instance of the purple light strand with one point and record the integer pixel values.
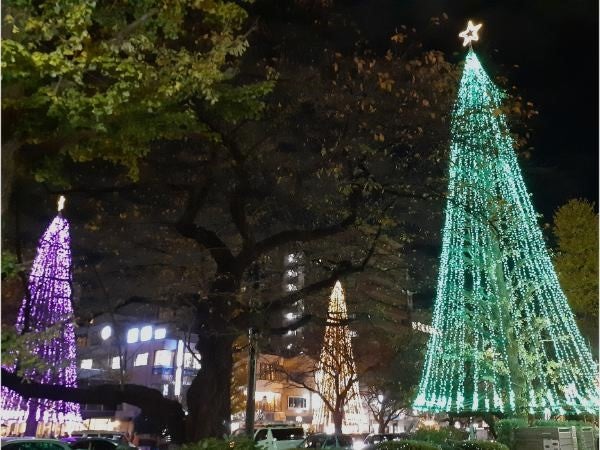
(50, 303)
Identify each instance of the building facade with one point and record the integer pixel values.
(121, 349)
(293, 280)
(278, 400)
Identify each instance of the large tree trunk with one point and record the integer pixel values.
(31, 423)
(209, 396)
(338, 419)
(381, 425)
(9, 168)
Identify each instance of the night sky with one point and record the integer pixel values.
(555, 46)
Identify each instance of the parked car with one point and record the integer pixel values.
(33, 444)
(99, 444)
(322, 440)
(358, 440)
(372, 440)
(279, 437)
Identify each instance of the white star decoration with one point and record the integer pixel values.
(61, 203)
(470, 34)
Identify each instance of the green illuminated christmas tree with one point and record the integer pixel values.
(505, 339)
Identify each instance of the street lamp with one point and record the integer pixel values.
(106, 332)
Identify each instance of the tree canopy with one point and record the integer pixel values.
(576, 260)
(106, 79)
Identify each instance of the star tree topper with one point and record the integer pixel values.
(470, 34)
(61, 203)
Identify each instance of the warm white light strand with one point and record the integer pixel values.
(336, 367)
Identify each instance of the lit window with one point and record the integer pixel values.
(160, 333)
(179, 357)
(163, 358)
(290, 316)
(191, 361)
(292, 273)
(296, 403)
(165, 389)
(178, 376)
(292, 287)
(115, 362)
(146, 333)
(133, 335)
(141, 359)
(106, 332)
(86, 363)
(291, 258)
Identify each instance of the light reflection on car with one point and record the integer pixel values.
(372, 440)
(33, 444)
(98, 443)
(322, 440)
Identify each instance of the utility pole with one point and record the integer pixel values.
(250, 403)
(252, 355)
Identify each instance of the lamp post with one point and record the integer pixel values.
(250, 405)
(380, 399)
(252, 356)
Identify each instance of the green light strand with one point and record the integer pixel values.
(508, 340)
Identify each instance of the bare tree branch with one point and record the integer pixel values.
(344, 268)
(292, 326)
(219, 251)
(237, 209)
(287, 236)
(150, 401)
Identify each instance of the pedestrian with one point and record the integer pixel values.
(472, 434)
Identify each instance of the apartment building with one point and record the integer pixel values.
(121, 348)
(278, 400)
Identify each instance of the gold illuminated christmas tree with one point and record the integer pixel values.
(336, 378)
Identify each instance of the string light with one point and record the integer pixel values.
(507, 340)
(424, 328)
(336, 368)
(49, 303)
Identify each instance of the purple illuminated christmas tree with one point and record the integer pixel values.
(47, 305)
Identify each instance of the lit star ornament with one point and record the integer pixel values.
(61, 203)
(470, 34)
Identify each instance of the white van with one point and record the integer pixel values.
(279, 437)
